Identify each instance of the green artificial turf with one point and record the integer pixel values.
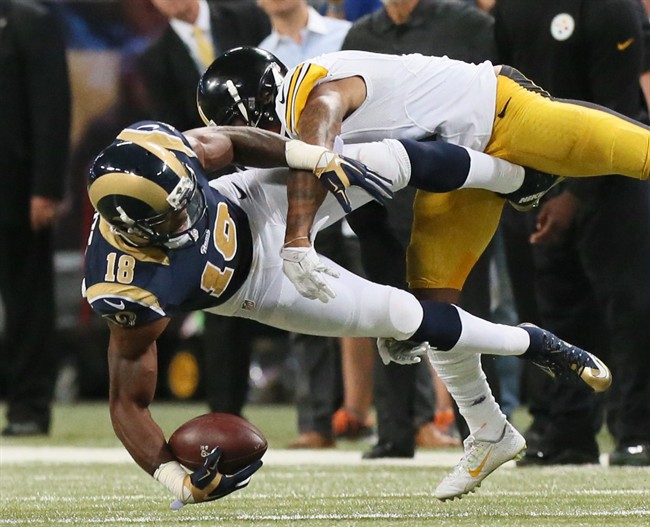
(52, 493)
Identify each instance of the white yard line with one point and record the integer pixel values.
(10, 455)
(16, 454)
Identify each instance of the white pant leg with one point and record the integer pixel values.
(388, 158)
(361, 308)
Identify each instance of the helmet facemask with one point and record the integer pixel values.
(160, 229)
(147, 185)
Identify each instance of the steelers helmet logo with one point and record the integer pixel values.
(562, 26)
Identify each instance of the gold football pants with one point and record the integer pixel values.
(451, 230)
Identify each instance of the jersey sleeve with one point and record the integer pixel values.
(297, 86)
(123, 285)
(124, 306)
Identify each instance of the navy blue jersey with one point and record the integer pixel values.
(132, 286)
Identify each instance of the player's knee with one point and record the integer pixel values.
(405, 314)
(388, 158)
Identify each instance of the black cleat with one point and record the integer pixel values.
(23, 429)
(383, 450)
(564, 361)
(568, 456)
(635, 455)
(536, 184)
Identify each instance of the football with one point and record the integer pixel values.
(240, 441)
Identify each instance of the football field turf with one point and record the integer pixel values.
(81, 476)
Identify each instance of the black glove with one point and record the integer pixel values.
(207, 483)
(338, 172)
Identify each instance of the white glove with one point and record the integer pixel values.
(401, 351)
(305, 270)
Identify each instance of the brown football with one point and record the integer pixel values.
(240, 441)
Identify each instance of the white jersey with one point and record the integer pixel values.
(408, 97)
(360, 308)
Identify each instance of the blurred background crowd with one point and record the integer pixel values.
(73, 73)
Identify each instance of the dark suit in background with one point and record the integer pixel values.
(34, 143)
(592, 280)
(170, 72)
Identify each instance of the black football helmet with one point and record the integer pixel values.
(241, 84)
(144, 184)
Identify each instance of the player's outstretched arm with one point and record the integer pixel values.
(320, 123)
(133, 371)
(218, 146)
(337, 173)
(301, 264)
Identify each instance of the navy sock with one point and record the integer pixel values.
(440, 325)
(536, 342)
(437, 166)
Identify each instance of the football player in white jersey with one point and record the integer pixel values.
(166, 241)
(358, 96)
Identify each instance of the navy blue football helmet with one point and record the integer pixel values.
(145, 186)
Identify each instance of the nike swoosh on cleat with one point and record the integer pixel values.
(207, 474)
(545, 369)
(475, 472)
(600, 378)
(622, 46)
(602, 369)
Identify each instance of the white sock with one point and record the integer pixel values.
(492, 173)
(482, 336)
(462, 374)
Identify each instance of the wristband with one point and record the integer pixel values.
(172, 475)
(301, 156)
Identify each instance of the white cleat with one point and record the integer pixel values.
(480, 460)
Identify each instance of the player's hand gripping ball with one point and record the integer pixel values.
(240, 442)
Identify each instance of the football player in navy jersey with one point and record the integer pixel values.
(165, 240)
(355, 96)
